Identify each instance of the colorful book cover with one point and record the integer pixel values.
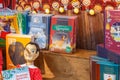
(63, 34)
(15, 44)
(22, 23)
(109, 71)
(112, 29)
(95, 68)
(9, 23)
(39, 25)
(16, 74)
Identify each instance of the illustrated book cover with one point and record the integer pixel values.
(103, 69)
(112, 29)
(15, 44)
(16, 74)
(39, 25)
(63, 34)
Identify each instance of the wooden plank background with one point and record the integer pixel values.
(89, 30)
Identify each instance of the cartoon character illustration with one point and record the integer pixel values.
(60, 40)
(109, 78)
(5, 24)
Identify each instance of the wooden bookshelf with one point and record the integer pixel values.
(74, 66)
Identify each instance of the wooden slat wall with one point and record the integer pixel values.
(90, 30)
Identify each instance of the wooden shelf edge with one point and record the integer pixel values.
(79, 53)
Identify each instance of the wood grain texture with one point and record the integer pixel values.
(68, 66)
(90, 30)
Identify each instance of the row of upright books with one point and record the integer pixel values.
(55, 33)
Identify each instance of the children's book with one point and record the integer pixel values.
(22, 22)
(112, 55)
(95, 68)
(16, 74)
(15, 44)
(112, 29)
(103, 69)
(39, 25)
(109, 71)
(63, 34)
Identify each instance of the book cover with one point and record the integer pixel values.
(112, 55)
(112, 29)
(39, 25)
(63, 34)
(95, 67)
(22, 23)
(9, 23)
(101, 51)
(15, 44)
(16, 74)
(109, 71)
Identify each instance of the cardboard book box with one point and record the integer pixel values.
(39, 25)
(15, 44)
(63, 34)
(112, 29)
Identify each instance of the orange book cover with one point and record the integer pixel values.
(15, 44)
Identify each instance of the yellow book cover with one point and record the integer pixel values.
(15, 44)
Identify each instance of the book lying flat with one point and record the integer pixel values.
(16, 74)
(103, 69)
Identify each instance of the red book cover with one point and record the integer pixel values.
(112, 29)
(92, 70)
(63, 34)
(97, 71)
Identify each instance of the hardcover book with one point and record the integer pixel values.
(23, 23)
(112, 55)
(95, 67)
(39, 25)
(103, 69)
(112, 29)
(63, 34)
(16, 74)
(8, 21)
(15, 44)
(109, 71)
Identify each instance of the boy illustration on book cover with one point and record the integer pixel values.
(109, 77)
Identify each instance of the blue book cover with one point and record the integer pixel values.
(103, 69)
(39, 25)
(16, 74)
(109, 71)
